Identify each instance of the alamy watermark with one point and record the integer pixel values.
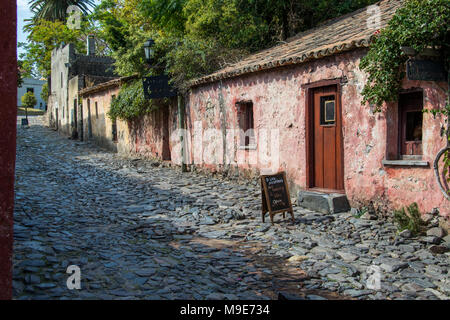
(212, 146)
(74, 19)
(374, 17)
(374, 280)
(74, 280)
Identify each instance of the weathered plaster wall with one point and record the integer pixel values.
(149, 133)
(72, 96)
(101, 124)
(279, 103)
(58, 103)
(143, 137)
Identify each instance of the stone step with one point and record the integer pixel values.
(323, 202)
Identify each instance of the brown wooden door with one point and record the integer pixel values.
(327, 141)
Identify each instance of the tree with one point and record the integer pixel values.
(28, 101)
(197, 37)
(43, 38)
(44, 92)
(20, 73)
(53, 10)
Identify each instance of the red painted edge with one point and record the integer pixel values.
(8, 116)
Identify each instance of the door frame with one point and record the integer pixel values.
(309, 137)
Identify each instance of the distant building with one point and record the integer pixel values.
(35, 86)
(71, 72)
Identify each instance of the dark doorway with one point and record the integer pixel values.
(410, 125)
(89, 119)
(80, 125)
(75, 120)
(166, 138)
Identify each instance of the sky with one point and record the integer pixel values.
(24, 12)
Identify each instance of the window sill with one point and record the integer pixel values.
(250, 147)
(406, 163)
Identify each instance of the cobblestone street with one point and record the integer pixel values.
(140, 230)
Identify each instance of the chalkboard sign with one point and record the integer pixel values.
(158, 87)
(426, 70)
(275, 195)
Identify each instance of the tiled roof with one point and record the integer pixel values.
(105, 85)
(345, 33)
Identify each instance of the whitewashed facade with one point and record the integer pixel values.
(35, 86)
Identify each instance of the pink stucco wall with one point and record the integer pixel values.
(143, 137)
(279, 103)
(148, 134)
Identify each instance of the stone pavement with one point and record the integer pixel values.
(139, 230)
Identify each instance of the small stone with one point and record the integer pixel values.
(405, 234)
(427, 217)
(436, 232)
(411, 287)
(46, 285)
(439, 249)
(32, 279)
(368, 216)
(357, 293)
(347, 256)
(215, 296)
(446, 240)
(393, 265)
(431, 239)
(297, 258)
(315, 297)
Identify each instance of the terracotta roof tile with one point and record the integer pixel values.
(106, 85)
(337, 35)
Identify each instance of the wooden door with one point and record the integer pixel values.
(327, 140)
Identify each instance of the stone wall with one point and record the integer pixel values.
(279, 103)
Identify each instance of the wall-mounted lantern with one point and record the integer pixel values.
(148, 49)
(155, 87)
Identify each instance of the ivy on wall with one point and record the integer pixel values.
(419, 24)
(130, 103)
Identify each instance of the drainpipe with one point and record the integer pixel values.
(181, 126)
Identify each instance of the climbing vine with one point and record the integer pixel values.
(130, 102)
(419, 24)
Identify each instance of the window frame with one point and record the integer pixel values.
(246, 121)
(404, 107)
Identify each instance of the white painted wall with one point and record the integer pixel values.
(37, 88)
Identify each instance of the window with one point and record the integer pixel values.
(246, 123)
(30, 90)
(96, 110)
(61, 80)
(410, 125)
(327, 110)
